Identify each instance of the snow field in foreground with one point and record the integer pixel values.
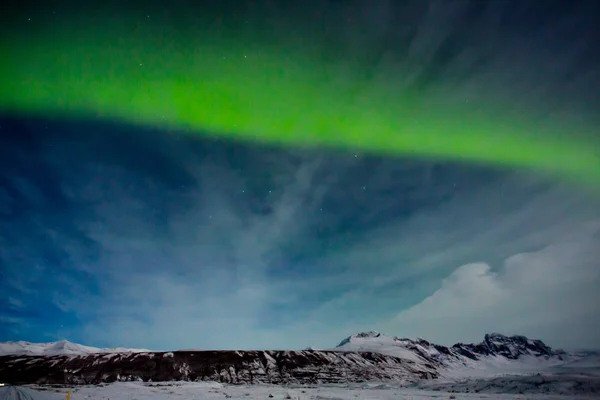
(212, 390)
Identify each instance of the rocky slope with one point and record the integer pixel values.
(223, 366)
(364, 357)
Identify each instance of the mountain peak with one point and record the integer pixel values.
(361, 335)
(510, 347)
(369, 334)
(494, 335)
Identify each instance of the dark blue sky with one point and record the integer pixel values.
(114, 235)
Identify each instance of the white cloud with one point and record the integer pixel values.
(547, 293)
(204, 281)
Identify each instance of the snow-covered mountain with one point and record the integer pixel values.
(497, 353)
(419, 351)
(510, 347)
(365, 357)
(62, 347)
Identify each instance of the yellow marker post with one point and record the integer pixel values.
(68, 395)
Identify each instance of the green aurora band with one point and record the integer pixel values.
(271, 91)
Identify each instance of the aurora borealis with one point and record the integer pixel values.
(237, 71)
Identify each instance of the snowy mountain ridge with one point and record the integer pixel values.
(364, 357)
(497, 353)
(494, 344)
(61, 347)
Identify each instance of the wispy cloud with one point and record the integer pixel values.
(407, 260)
(208, 245)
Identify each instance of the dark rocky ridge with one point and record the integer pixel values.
(274, 367)
(494, 344)
(511, 347)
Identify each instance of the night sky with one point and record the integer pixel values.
(119, 229)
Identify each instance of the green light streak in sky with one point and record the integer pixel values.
(265, 92)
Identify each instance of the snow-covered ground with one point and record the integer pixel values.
(569, 385)
(495, 366)
(208, 390)
(576, 378)
(588, 360)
